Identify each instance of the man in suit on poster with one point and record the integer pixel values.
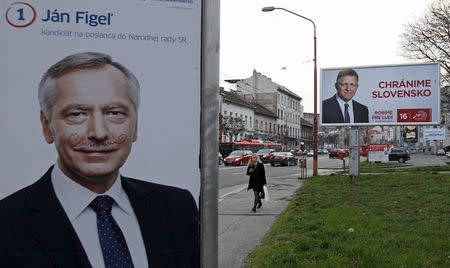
(341, 108)
(82, 212)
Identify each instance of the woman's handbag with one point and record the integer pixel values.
(261, 194)
(266, 194)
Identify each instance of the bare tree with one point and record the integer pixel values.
(232, 126)
(428, 38)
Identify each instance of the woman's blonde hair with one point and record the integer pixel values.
(254, 160)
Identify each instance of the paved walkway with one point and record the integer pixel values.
(240, 229)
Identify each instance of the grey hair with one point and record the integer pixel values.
(81, 61)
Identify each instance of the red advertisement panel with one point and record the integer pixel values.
(378, 147)
(414, 115)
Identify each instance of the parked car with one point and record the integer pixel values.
(264, 154)
(399, 154)
(440, 152)
(283, 159)
(220, 159)
(310, 153)
(338, 153)
(238, 158)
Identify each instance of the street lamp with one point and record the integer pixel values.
(315, 129)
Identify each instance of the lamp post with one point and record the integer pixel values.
(315, 127)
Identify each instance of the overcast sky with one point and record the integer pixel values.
(280, 45)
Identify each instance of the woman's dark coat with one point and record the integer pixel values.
(257, 177)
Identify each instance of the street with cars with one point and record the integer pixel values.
(236, 175)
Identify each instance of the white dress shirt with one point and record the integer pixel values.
(342, 106)
(75, 200)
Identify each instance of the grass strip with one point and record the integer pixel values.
(386, 220)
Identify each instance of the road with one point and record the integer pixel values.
(233, 176)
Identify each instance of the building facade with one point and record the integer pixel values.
(280, 101)
(265, 123)
(234, 106)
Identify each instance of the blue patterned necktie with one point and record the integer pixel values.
(347, 115)
(114, 247)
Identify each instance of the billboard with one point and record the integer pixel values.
(378, 153)
(434, 134)
(380, 95)
(410, 134)
(158, 41)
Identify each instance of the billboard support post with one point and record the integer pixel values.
(209, 126)
(354, 154)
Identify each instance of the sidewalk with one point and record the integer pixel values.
(240, 229)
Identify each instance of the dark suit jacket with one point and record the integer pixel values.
(36, 232)
(332, 113)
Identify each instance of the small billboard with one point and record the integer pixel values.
(434, 134)
(378, 153)
(381, 95)
(410, 134)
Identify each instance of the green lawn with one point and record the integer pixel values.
(386, 220)
(371, 167)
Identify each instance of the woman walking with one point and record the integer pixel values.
(257, 179)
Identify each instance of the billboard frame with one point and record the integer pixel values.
(436, 120)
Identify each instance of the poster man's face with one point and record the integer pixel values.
(93, 123)
(346, 87)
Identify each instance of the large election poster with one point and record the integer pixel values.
(159, 41)
(381, 95)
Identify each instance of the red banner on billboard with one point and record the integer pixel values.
(414, 115)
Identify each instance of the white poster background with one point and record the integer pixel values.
(378, 156)
(383, 111)
(167, 149)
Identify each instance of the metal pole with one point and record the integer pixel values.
(209, 126)
(315, 123)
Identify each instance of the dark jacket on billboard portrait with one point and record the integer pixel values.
(36, 232)
(332, 113)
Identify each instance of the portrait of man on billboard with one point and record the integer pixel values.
(83, 212)
(341, 107)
